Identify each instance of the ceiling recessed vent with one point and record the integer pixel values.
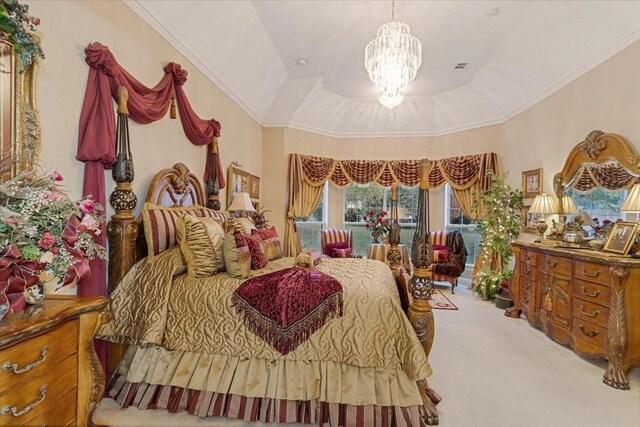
(460, 66)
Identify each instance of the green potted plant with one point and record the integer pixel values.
(500, 225)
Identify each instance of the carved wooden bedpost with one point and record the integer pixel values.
(213, 185)
(421, 287)
(122, 229)
(393, 256)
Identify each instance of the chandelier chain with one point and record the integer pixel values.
(393, 10)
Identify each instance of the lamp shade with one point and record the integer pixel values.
(544, 204)
(568, 205)
(632, 203)
(241, 202)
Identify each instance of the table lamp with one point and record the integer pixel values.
(543, 204)
(241, 203)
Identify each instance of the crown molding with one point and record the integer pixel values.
(157, 23)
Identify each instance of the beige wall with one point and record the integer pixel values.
(67, 27)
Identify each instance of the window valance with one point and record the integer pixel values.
(460, 172)
(610, 176)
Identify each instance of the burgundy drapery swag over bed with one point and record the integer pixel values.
(96, 136)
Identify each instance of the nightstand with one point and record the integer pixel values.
(49, 371)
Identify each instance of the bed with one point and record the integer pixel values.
(190, 350)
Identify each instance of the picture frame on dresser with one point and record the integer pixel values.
(621, 238)
(530, 220)
(531, 183)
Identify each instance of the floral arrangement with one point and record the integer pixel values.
(377, 223)
(18, 27)
(604, 228)
(43, 231)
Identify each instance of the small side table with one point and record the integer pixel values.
(379, 251)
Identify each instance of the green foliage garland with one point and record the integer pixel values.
(18, 28)
(501, 225)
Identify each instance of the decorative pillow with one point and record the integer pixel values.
(215, 231)
(441, 255)
(342, 253)
(308, 259)
(160, 224)
(256, 249)
(329, 247)
(245, 225)
(271, 243)
(237, 258)
(196, 246)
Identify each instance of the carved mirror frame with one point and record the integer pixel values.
(598, 147)
(20, 127)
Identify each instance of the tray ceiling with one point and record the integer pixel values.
(515, 59)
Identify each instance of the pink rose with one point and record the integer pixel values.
(10, 220)
(47, 240)
(55, 251)
(86, 206)
(36, 21)
(47, 257)
(88, 222)
(53, 196)
(56, 176)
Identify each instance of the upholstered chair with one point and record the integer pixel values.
(335, 239)
(449, 257)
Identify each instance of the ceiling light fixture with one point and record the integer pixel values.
(392, 60)
(490, 13)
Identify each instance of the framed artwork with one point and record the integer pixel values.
(529, 220)
(621, 237)
(237, 181)
(254, 187)
(531, 183)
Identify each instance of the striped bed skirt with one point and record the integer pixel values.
(209, 404)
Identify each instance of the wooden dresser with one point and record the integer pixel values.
(587, 300)
(49, 372)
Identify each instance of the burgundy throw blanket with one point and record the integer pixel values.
(286, 307)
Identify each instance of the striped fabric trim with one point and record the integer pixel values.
(250, 409)
(334, 235)
(160, 224)
(439, 238)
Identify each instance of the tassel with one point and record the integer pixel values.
(173, 114)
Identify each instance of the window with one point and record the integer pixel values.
(455, 219)
(309, 227)
(600, 203)
(359, 200)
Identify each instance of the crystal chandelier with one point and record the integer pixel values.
(392, 60)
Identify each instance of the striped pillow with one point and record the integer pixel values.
(196, 247)
(160, 224)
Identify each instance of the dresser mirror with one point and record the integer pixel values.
(603, 165)
(20, 125)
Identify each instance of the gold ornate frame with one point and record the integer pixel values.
(237, 180)
(621, 245)
(535, 173)
(22, 149)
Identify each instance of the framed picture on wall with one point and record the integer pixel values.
(237, 181)
(531, 183)
(254, 187)
(621, 238)
(529, 220)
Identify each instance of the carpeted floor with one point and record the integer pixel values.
(492, 371)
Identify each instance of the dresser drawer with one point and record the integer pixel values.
(36, 397)
(592, 292)
(528, 271)
(590, 332)
(555, 264)
(38, 355)
(591, 312)
(62, 413)
(529, 302)
(527, 286)
(591, 272)
(530, 257)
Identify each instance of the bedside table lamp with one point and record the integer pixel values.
(543, 204)
(241, 204)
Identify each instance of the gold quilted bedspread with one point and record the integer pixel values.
(156, 304)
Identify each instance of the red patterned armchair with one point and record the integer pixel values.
(336, 243)
(449, 257)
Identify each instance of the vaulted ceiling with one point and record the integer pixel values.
(524, 53)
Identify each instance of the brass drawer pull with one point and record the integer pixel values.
(527, 271)
(586, 273)
(14, 409)
(9, 366)
(589, 294)
(552, 264)
(526, 299)
(594, 314)
(526, 285)
(590, 334)
(528, 257)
